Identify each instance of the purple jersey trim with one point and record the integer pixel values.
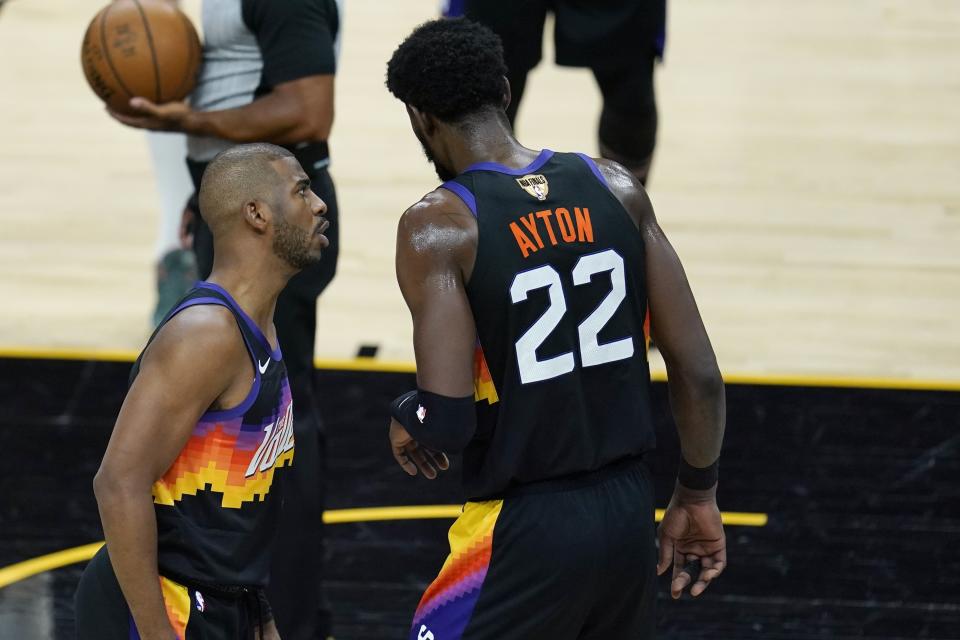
(593, 167)
(192, 303)
(240, 409)
(463, 193)
(243, 407)
(276, 354)
(540, 160)
(134, 634)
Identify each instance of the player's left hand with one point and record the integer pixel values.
(412, 457)
(170, 116)
(692, 540)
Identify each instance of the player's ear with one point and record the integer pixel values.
(421, 121)
(256, 213)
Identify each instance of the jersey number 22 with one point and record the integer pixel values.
(592, 352)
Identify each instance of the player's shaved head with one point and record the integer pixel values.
(235, 177)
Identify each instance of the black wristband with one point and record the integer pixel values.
(698, 478)
(399, 404)
(436, 421)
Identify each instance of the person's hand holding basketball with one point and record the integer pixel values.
(692, 539)
(141, 48)
(170, 116)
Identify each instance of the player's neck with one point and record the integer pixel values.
(255, 290)
(488, 141)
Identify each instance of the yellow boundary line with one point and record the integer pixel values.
(374, 365)
(58, 559)
(33, 566)
(43, 353)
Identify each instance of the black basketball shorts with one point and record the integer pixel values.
(194, 612)
(559, 561)
(600, 34)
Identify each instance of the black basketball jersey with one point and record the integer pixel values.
(216, 516)
(559, 299)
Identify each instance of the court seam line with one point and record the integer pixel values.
(19, 571)
(373, 365)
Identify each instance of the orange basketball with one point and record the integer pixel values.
(145, 48)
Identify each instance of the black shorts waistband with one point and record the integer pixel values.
(575, 480)
(252, 599)
(231, 591)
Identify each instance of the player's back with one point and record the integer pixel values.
(558, 295)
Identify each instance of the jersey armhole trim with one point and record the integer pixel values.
(240, 409)
(594, 168)
(463, 193)
(244, 406)
(276, 354)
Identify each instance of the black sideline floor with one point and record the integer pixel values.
(862, 488)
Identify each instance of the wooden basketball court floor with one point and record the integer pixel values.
(808, 172)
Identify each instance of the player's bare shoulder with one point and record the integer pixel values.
(201, 340)
(627, 189)
(439, 223)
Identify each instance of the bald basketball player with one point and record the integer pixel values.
(528, 274)
(184, 489)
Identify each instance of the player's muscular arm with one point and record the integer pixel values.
(195, 362)
(691, 530)
(436, 248)
(300, 110)
(696, 387)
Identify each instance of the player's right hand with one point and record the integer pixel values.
(692, 539)
(412, 457)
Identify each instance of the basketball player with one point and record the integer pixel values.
(618, 40)
(528, 274)
(268, 75)
(184, 489)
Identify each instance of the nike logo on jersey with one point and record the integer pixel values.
(263, 366)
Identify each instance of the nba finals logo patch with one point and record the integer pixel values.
(536, 185)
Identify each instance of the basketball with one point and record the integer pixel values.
(145, 48)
